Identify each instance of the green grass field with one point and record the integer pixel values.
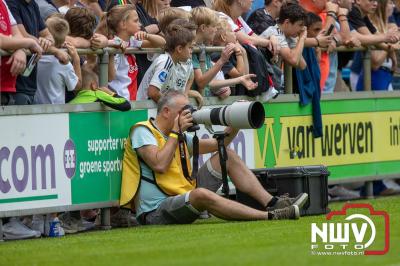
(207, 242)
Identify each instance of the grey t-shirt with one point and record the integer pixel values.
(52, 79)
(46, 9)
(277, 32)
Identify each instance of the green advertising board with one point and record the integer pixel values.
(360, 137)
(99, 138)
(56, 159)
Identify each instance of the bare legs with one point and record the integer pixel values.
(244, 179)
(204, 199)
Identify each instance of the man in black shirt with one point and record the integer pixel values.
(31, 25)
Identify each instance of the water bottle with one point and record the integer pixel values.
(55, 226)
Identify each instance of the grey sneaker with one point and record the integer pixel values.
(291, 212)
(15, 229)
(72, 225)
(27, 220)
(285, 201)
(38, 223)
(123, 218)
(341, 193)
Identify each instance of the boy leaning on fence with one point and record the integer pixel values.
(91, 92)
(172, 70)
(290, 26)
(204, 70)
(53, 77)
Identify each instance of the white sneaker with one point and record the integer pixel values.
(390, 183)
(272, 93)
(15, 229)
(37, 223)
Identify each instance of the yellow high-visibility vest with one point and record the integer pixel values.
(172, 183)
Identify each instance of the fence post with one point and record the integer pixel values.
(103, 73)
(367, 69)
(1, 230)
(288, 78)
(105, 218)
(369, 189)
(103, 79)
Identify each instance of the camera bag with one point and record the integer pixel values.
(312, 180)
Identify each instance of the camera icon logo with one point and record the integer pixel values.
(352, 231)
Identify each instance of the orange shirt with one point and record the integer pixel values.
(324, 61)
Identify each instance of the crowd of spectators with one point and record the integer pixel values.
(276, 33)
(302, 34)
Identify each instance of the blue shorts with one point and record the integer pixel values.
(380, 80)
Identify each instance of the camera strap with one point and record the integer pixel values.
(195, 156)
(223, 158)
(182, 153)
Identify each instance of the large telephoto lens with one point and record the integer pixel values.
(237, 115)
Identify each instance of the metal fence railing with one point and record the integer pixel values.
(288, 76)
(103, 55)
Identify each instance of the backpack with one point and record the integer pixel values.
(257, 66)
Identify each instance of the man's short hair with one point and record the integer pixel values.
(168, 15)
(59, 29)
(168, 99)
(293, 13)
(179, 32)
(204, 15)
(82, 22)
(312, 18)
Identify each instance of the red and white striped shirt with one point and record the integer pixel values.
(126, 72)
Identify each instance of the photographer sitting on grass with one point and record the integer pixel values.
(154, 185)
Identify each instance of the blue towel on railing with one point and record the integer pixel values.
(309, 90)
